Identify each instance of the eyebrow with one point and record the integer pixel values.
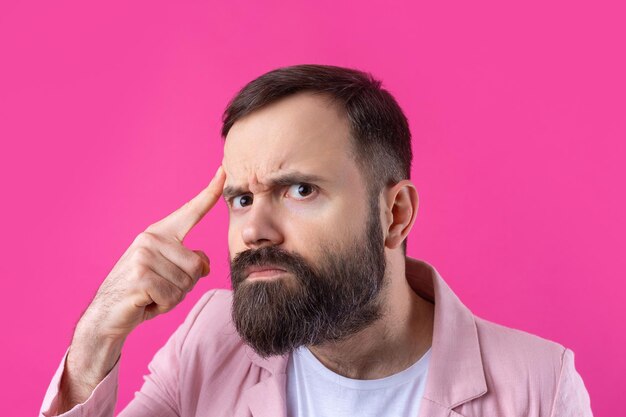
(278, 181)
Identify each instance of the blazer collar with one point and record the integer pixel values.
(455, 373)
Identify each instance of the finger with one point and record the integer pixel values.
(180, 222)
(206, 264)
(168, 270)
(153, 288)
(194, 263)
(164, 294)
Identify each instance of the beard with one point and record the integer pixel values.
(310, 304)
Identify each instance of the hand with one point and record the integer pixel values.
(154, 274)
(152, 277)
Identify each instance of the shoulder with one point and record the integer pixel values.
(214, 302)
(209, 327)
(512, 352)
(520, 344)
(520, 368)
(523, 369)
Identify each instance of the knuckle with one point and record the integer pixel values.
(141, 273)
(176, 295)
(142, 255)
(197, 265)
(145, 238)
(142, 286)
(179, 295)
(188, 282)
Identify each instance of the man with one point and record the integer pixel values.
(328, 316)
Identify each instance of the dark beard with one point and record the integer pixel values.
(310, 305)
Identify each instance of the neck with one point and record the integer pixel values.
(389, 345)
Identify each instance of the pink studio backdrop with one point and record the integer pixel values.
(109, 120)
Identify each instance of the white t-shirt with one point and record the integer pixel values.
(315, 391)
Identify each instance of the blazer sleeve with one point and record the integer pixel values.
(159, 394)
(100, 403)
(572, 398)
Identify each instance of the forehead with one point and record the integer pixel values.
(303, 132)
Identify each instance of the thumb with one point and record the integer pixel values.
(207, 263)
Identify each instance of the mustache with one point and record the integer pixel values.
(266, 255)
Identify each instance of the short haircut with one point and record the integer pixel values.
(379, 129)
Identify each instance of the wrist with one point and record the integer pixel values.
(91, 357)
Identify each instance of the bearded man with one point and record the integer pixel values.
(327, 316)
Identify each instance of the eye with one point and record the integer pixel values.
(242, 200)
(301, 190)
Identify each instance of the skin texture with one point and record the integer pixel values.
(307, 133)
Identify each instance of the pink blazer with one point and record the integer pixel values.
(477, 368)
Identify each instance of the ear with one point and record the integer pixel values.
(401, 207)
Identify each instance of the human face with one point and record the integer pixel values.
(269, 154)
(327, 238)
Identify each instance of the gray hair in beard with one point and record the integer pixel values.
(312, 304)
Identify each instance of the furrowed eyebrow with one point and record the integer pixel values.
(281, 180)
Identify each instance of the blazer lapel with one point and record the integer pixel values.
(455, 373)
(268, 398)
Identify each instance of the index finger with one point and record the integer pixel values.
(180, 222)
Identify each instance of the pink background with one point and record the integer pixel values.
(109, 120)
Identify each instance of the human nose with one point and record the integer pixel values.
(261, 228)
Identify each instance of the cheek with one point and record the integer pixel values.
(331, 220)
(301, 233)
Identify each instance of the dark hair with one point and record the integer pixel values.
(380, 131)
